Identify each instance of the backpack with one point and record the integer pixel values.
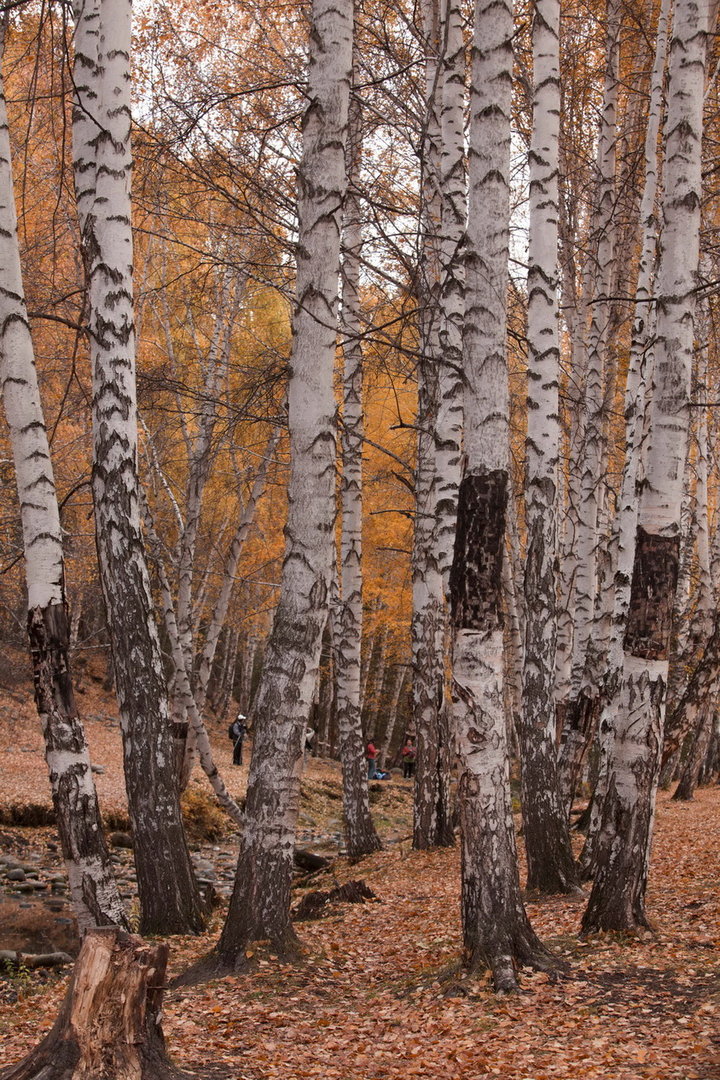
(231, 733)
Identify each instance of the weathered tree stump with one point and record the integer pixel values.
(108, 1027)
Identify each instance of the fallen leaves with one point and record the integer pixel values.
(381, 994)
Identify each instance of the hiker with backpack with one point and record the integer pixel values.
(236, 733)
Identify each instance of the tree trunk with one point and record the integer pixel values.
(360, 835)
(260, 903)
(108, 1027)
(696, 753)
(429, 619)
(496, 931)
(599, 277)
(551, 867)
(201, 740)
(638, 378)
(617, 901)
(92, 887)
(169, 897)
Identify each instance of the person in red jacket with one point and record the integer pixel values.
(372, 755)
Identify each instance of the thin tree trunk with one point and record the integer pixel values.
(201, 741)
(401, 675)
(260, 903)
(360, 835)
(551, 867)
(427, 629)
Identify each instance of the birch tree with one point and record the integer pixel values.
(260, 903)
(700, 719)
(496, 931)
(581, 713)
(638, 378)
(169, 896)
(547, 842)
(440, 414)
(360, 835)
(428, 602)
(617, 900)
(93, 890)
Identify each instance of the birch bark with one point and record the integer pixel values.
(638, 378)
(93, 891)
(360, 835)
(428, 622)
(617, 901)
(581, 711)
(701, 716)
(260, 903)
(441, 415)
(169, 896)
(551, 866)
(496, 931)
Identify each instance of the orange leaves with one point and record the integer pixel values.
(368, 1004)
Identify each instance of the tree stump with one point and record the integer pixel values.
(109, 1023)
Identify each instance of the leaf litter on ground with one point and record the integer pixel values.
(380, 992)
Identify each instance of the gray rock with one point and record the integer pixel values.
(16, 874)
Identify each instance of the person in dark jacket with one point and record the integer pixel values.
(237, 734)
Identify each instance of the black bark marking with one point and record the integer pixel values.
(654, 581)
(476, 574)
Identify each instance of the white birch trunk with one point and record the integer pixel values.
(453, 215)
(222, 606)
(496, 930)
(638, 378)
(551, 866)
(617, 900)
(579, 717)
(360, 835)
(93, 890)
(260, 904)
(169, 896)
(700, 711)
(430, 804)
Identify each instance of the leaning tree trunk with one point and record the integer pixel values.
(617, 901)
(108, 1027)
(169, 897)
(184, 694)
(551, 867)
(496, 930)
(260, 903)
(361, 837)
(94, 894)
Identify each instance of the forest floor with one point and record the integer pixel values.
(380, 993)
